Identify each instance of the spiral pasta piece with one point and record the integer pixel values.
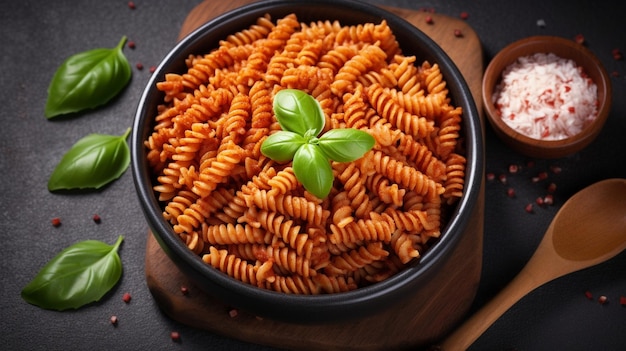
(403, 175)
(293, 206)
(418, 127)
(238, 268)
(225, 234)
(367, 58)
(355, 259)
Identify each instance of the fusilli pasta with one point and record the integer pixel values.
(248, 215)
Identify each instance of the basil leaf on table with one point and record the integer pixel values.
(87, 80)
(345, 145)
(78, 275)
(313, 170)
(298, 112)
(92, 162)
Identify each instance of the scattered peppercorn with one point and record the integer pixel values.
(555, 169)
(97, 219)
(510, 192)
(513, 168)
(233, 313)
(548, 200)
(131, 5)
(579, 38)
(603, 300)
(56, 221)
(126, 298)
(184, 290)
(464, 15)
(131, 44)
(113, 320)
(491, 176)
(139, 66)
(458, 33)
(152, 69)
(551, 188)
(429, 19)
(529, 208)
(617, 54)
(588, 295)
(175, 336)
(502, 178)
(622, 300)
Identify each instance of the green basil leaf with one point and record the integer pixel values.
(78, 275)
(345, 145)
(92, 162)
(313, 170)
(87, 80)
(282, 145)
(298, 112)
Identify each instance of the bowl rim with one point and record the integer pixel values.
(325, 307)
(493, 75)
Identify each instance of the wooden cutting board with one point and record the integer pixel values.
(417, 322)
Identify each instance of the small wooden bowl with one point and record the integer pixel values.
(564, 48)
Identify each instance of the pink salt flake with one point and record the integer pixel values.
(547, 97)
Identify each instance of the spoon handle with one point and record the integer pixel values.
(473, 327)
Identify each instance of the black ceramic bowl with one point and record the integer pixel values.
(300, 308)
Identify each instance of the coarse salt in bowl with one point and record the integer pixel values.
(546, 97)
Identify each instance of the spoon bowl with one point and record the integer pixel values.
(590, 228)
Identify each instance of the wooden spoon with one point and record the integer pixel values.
(590, 228)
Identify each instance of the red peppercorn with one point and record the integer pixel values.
(579, 38)
(139, 66)
(529, 208)
(56, 221)
(548, 199)
(551, 188)
(491, 176)
(113, 320)
(588, 295)
(126, 297)
(131, 5)
(152, 69)
(513, 168)
(539, 201)
(429, 20)
(502, 178)
(464, 15)
(184, 290)
(97, 219)
(458, 33)
(131, 44)
(175, 336)
(617, 54)
(603, 299)
(233, 313)
(510, 192)
(622, 300)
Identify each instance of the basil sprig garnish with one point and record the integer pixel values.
(87, 80)
(78, 275)
(302, 120)
(92, 162)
